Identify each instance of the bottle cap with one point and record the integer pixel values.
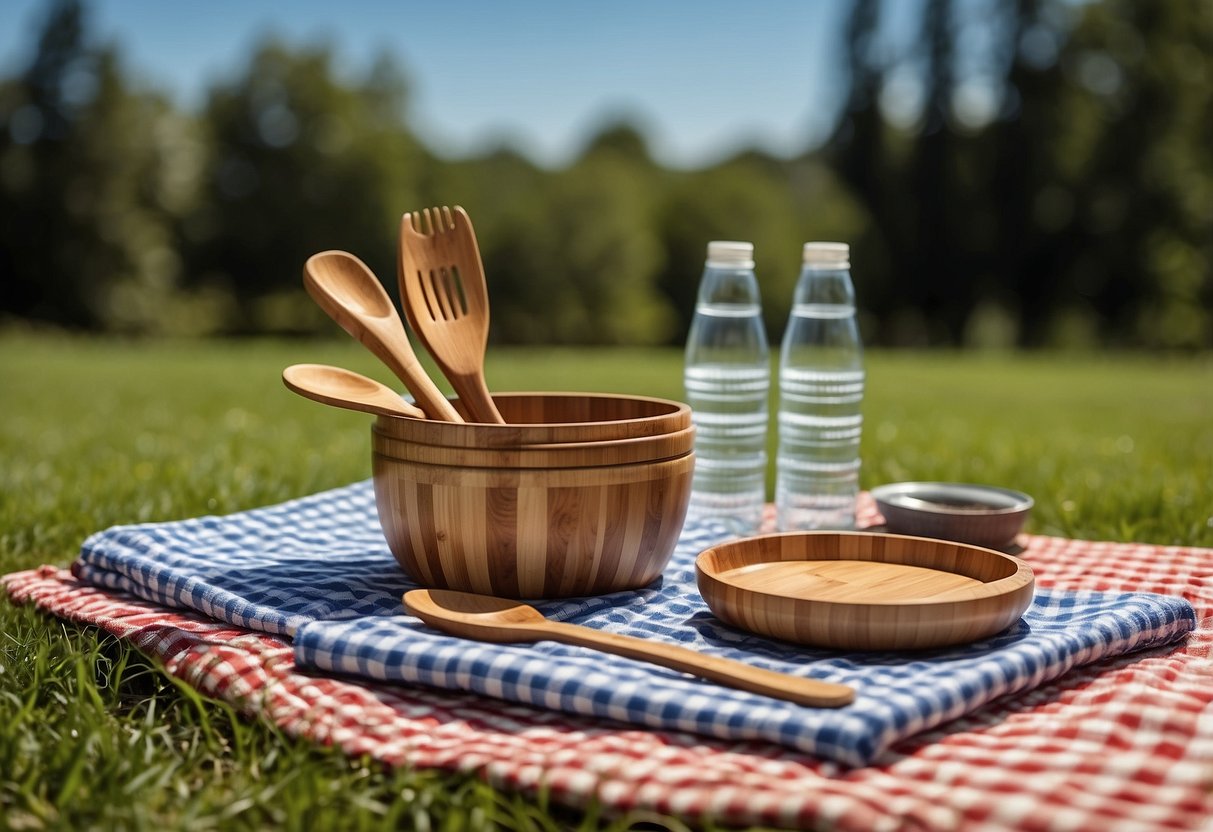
(731, 254)
(827, 255)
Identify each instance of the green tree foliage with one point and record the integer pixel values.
(300, 162)
(582, 261)
(738, 200)
(1138, 163)
(1081, 209)
(94, 177)
(1032, 173)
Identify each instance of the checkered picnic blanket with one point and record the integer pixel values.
(1123, 743)
(318, 570)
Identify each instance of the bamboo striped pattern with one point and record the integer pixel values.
(532, 533)
(548, 418)
(559, 455)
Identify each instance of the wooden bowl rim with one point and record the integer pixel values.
(591, 445)
(677, 409)
(598, 454)
(1017, 580)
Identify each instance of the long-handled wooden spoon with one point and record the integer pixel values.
(352, 296)
(446, 301)
(344, 388)
(485, 618)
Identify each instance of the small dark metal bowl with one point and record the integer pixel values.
(982, 515)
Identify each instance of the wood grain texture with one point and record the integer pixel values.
(533, 533)
(492, 619)
(542, 418)
(445, 298)
(864, 591)
(564, 455)
(345, 288)
(338, 387)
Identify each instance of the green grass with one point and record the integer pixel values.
(100, 432)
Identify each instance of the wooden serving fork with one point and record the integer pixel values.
(443, 291)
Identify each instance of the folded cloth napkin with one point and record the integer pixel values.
(318, 570)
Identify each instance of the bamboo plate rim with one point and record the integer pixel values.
(1022, 576)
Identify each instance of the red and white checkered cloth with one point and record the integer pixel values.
(1125, 744)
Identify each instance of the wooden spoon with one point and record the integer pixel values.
(345, 388)
(485, 618)
(352, 296)
(446, 301)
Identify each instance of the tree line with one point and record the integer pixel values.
(1032, 173)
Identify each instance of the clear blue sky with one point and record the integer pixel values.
(702, 77)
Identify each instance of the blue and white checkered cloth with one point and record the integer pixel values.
(319, 571)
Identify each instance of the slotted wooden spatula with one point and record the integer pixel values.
(446, 301)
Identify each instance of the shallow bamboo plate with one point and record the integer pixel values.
(864, 591)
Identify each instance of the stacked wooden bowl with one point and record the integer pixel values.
(577, 494)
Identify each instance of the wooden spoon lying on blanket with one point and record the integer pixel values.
(485, 618)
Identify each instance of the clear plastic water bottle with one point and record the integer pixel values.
(728, 378)
(820, 393)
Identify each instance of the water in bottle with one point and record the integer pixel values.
(821, 381)
(728, 377)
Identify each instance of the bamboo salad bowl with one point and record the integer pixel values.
(593, 503)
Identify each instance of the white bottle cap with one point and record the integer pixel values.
(827, 255)
(729, 254)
